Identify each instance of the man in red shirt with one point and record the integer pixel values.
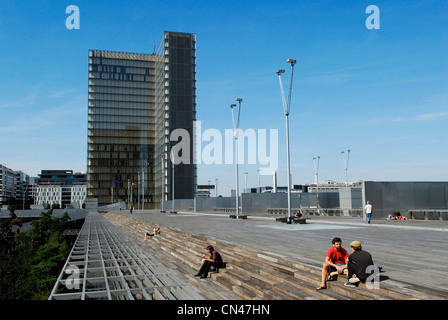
(335, 262)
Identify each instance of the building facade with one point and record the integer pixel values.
(14, 186)
(60, 188)
(8, 178)
(206, 191)
(135, 102)
(59, 196)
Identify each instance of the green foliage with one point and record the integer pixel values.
(31, 261)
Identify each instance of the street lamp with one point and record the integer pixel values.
(316, 179)
(286, 108)
(236, 129)
(346, 166)
(163, 186)
(172, 164)
(316, 169)
(216, 187)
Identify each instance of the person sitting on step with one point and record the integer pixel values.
(156, 232)
(214, 260)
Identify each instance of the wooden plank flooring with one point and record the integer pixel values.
(412, 255)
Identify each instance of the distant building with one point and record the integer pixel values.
(206, 191)
(13, 186)
(62, 196)
(62, 177)
(60, 188)
(332, 186)
(279, 189)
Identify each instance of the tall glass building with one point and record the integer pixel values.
(135, 103)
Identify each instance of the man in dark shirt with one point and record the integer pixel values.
(358, 262)
(214, 260)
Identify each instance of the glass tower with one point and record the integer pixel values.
(135, 102)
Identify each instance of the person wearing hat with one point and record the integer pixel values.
(358, 262)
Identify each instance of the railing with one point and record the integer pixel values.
(427, 214)
(317, 212)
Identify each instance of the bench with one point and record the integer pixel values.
(224, 209)
(241, 216)
(428, 214)
(293, 220)
(277, 210)
(299, 220)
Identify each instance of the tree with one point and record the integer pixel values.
(31, 261)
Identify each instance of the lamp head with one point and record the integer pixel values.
(232, 105)
(280, 71)
(291, 61)
(238, 99)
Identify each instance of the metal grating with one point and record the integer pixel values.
(105, 264)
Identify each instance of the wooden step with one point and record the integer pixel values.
(252, 274)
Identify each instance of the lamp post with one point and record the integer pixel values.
(172, 164)
(236, 129)
(286, 108)
(316, 179)
(216, 188)
(346, 166)
(163, 185)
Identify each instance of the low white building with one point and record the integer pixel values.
(50, 195)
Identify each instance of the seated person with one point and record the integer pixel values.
(358, 262)
(215, 260)
(335, 263)
(298, 215)
(156, 232)
(398, 216)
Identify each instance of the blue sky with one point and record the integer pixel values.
(383, 93)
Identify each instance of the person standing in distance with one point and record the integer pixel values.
(368, 211)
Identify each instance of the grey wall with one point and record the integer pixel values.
(389, 197)
(386, 198)
(350, 198)
(260, 202)
(257, 202)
